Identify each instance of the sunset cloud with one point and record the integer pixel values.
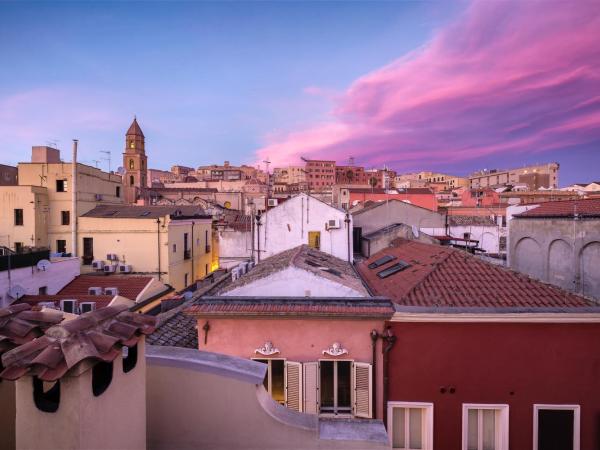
(507, 77)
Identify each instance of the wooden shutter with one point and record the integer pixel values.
(293, 385)
(362, 382)
(311, 387)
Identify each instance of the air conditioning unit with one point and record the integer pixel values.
(69, 306)
(242, 269)
(87, 307)
(98, 197)
(95, 290)
(333, 223)
(112, 257)
(272, 202)
(110, 269)
(111, 291)
(125, 268)
(251, 264)
(235, 274)
(98, 264)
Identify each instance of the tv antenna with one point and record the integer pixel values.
(96, 161)
(107, 153)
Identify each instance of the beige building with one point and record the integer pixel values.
(535, 177)
(289, 175)
(39, 211)
(172, 243)
(423, 179)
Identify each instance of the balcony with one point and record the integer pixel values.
(187, 254)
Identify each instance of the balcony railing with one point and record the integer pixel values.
(26, 258)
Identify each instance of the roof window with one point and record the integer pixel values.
(381, 261)
(398, 267)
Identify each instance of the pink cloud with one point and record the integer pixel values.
(508, 77)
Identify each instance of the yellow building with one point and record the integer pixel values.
(172, 243)
(39, 212)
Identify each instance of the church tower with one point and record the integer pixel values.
(135, 163)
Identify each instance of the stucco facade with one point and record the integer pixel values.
(292, 223)
(33, 202)
(564, 252)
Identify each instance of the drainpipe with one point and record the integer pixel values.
(347, 220)
(74, 199)
(374, 337)
(193, 272)
(258, 235)
(389, 339)
(158, 245)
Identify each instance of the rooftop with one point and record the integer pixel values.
(128, 286)
(565, 208)
(145, 212)
(134, 129)
(303, 257)
(101, 301)
(370, 205)
(458, 221)
(409, 191)
(416, 274)
(94, 336)
(20, 324)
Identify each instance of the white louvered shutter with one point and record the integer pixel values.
(362, 382)
(311, 387)
(293, 385)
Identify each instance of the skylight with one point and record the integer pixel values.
(381, 261)
(398, 267)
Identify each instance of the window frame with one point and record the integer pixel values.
(427, 430)
(502, 439)
(269, 387)
(335, 412)
(19, 215)
(65, 215)
(560, 407)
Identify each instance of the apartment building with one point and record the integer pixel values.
(289, 175)
(320, 174)
(41, 211)
(351, 175)
(535, 177)
(8, 175)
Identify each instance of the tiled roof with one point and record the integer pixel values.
(446, 277)
(384, 230)
(303, 257)
(128, 286)
(471, 220)
(409, 191)
(135, 129)
(296, 306)
(370, 205)
(101, 300)
(20, 324)
(179, 330)
(566, 208)
(94, 336)
(237, 222)
(144, 212)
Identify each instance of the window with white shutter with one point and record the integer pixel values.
(293, 385)
(485, 427)
(310, 372)
(362, 382)
(410, 425)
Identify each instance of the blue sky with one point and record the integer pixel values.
(208, 81)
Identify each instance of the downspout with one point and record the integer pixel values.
(374, 337)
(74, 199)
(158, 245)
(258, 236)
(389, 339)
(193, 271)
(347, 220)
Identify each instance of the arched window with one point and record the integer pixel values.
(102, 374)
(47, 400)
(130, 355)
(131, 144)
(131, 165)
(131, 180)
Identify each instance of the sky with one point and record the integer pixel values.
(451, 86)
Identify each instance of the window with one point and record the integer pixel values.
(485, 427)
(381, 261)
(398, 267)
(410, 425)
(18, 217)
(61, 185)
(467, 236)
(19, 247)
(502, 243)
(556, 427)
(314, 239)
(43, 290)
(174, 248)
(61, 246)
(118, 191)
(274, 381)
(335, 387)
(131, 180)
(65, 217)
(131, 164)
(185, 280)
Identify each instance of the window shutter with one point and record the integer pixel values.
(362, 388)
(293, 385)
(311, 387)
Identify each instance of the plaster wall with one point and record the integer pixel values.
(563, 252)
(33, 201)
(60, 273)
(287, 226)
(295, 282)
(114, 420)
(7, 415)
(234, 246)
(396, 212)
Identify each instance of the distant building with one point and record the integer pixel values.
(535, 177)
(351, 197)
(351, 175)
(559, 243)
(423, 179)
(479, 197)
(289, 175)
(8, 175)
(135, 163)
(320, 174)
(172, 243)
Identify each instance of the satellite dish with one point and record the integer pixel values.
(16, 292)
(121, 171)
(43, 264)
(187, 295)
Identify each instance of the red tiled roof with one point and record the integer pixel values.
(129, 286)
(246, 306)
(97, 336)
(446, 277)
(101, 300)
(409, 191)
(19, 324)
(566, 208)
(135, 129)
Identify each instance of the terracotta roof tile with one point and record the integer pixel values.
(97, 335)
(565, 208)
(20, 324)
(34, 300)
(144, 212)
(445, 277)
(129, 286)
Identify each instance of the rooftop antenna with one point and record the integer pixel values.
(53, 143)
(107, 153)
(351, 161)
(267, 162)
(95, 161)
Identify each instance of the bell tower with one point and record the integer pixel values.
(134, 163)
